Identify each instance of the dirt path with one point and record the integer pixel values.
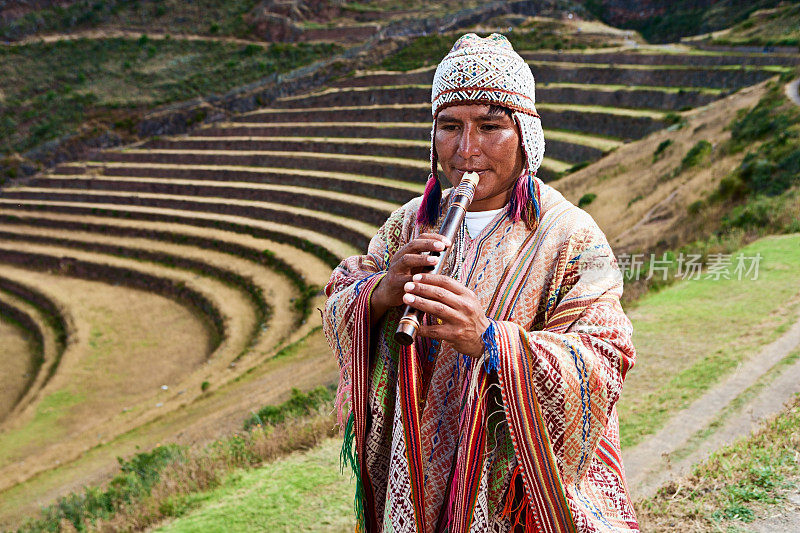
(792, 90)
(786, 517)
(648, 464)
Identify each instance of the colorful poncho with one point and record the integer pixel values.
(527, 436)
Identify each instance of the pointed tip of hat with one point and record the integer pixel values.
(473, 39)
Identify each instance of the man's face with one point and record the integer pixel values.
(468, 138)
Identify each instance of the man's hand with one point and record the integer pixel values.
(462, 320)
(406, 262)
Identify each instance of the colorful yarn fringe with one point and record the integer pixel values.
(524, 201)
(348, 457)
(491, 354)
(428, 213)
(520, 514)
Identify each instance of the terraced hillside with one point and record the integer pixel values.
(322, 170)
(179, 264)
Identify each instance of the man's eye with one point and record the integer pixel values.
(490, 127)
(449, 127)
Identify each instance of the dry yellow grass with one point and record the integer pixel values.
(636, 206)
(314, 270)
(210, 416)
(171, 347)
(16, 360)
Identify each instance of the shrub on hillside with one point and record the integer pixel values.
(758, 122)
(586, 199)
(136, 478)
(299, 404)
(696, 155)
(660, 149)
(774, 166)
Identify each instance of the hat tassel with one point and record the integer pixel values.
(428, 212)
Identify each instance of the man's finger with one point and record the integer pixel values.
(434, 293)
(437, 309)
(435, 236)
(439, 332)
(411, 261)
(445, 282)
(427, 242)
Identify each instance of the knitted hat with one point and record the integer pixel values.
(488, 71)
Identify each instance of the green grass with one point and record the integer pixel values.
(45, 423)
(697, 154)
(690, 334)
(777, 27)
(51, 88)
(625, 112)
(199, 17)
(615, 88)
(304, 492)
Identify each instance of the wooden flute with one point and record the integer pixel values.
(462, 196)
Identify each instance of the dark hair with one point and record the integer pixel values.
(495, 109)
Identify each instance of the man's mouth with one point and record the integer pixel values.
(462, 171)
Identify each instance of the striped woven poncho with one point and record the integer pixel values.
(525, 438)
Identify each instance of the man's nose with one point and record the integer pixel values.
(469, 143)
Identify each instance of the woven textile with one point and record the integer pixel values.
(443, 445)
(489, 71)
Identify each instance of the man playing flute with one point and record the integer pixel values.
(501, 415)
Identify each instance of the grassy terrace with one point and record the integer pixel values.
(303, 268)
(328, 248)
(227, 189)
(171, 16)
(532, 35)
(776, 69)
(67, 404)
(610, 87)
(249, 174)
(623, 112)
(37, 356)
(25, 335)
(307, 114)
(660, 55)
(353, 231)
(50, 89)
(93, 254)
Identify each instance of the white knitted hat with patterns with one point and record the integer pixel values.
(489, 71)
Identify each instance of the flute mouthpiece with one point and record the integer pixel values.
(472, 177)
